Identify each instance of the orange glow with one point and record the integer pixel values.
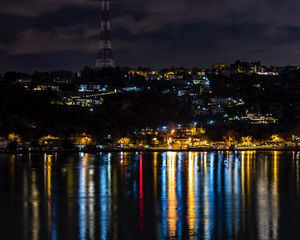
(191, 193)
(172, 199)
(83, 140)
(155, 173)
(14, 137)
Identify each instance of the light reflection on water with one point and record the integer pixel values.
(184, 195)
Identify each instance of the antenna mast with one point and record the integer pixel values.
(105, 56)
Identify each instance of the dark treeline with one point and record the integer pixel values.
(31, 114)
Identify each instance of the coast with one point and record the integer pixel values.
(151, 149)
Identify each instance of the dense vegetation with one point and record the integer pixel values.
(31, 114)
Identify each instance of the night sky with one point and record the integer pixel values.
(63, 34)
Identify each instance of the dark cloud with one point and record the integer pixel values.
(36, 33)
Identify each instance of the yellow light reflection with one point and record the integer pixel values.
(243, 175)
(275, 170)
(124, 157)
(48, 172)
(275, 202)
(172, 198)
(205, 162)
(267, 198)
(250, 170)
(48, 187)
(191, 194)
(35, 206)
(155, 154)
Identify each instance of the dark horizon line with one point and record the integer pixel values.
(146, 67)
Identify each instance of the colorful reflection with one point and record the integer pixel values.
(267, 198)
(176, 195)
(164, 197)
(225, 179)
(105, 197)
(179, 194)
(191, 195)
(209, 196)
(296, 159)
(50, 196)
(172, 198)
(82, 196)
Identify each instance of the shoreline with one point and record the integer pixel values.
(107, 150)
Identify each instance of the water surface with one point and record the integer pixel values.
(188, 195)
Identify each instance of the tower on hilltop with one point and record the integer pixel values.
(105, 56)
